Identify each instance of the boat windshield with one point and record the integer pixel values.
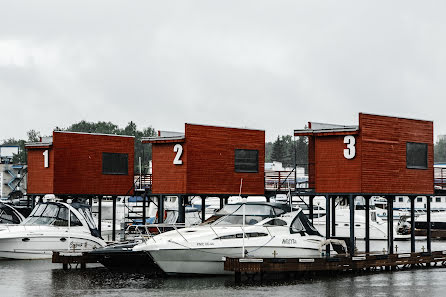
(232, 214)
(51, 214)
(7, 215)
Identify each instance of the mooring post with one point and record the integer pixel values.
(390, 223)
(327, 223)
(203, 208)
(160, 209)
(333, 216)
(99, 214)
(144, 204)
(221, 202)
(114, 218)
(310, 205)
(90, 202)
(367, 224)
(412, 223)
(351, 201)
(181, 208)
(428, 219)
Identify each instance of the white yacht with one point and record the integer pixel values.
(51, 226)
(378, 228)
(267, 232)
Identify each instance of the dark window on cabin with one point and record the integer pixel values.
(437, 199)
(419, 199)
(401, 199)
(114, 163)
(246, 160)
(416, 155)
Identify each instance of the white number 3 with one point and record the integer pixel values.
(178, 148)
(350, 151)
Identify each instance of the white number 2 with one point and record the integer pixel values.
(178, 148)
(350, 151)
(45, 159)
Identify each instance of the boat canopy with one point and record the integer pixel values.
(8, 215)
(232, 214)
(56, 214)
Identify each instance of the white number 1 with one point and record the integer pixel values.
(350, 151)
(45, 159)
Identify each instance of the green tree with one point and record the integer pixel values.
(278, 151)
(285, 149)
(440, 151)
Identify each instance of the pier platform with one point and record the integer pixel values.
(74, 260)
(339, 263)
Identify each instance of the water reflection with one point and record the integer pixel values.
(42, 278)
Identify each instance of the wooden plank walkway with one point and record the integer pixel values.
(361, 262)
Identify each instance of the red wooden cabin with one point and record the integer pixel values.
(208, 160)
(384, 154)
(70, 163)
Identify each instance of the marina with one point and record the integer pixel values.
(213, 209)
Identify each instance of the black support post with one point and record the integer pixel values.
(181, 209)
(310, 205)
(351, 202)
(367, 224)
(390, 223)
(412, 223)
(203, 208)
(99, 214)
(333, 216)
(144, 204)
(221, 202)
(428, 231)
(160, 209)
(327, 222)
(114, 218)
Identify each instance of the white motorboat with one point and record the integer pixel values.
(10, 215)
(268, 232)
(51, 226)
(378, 228)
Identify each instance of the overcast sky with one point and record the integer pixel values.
(271, 65)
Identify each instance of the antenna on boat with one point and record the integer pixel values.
(243, 218)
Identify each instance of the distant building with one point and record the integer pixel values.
(441, 137)
(12, 179)
(7, 152)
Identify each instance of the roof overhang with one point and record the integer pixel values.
(322, 129)
(165, 139)
(31, 145)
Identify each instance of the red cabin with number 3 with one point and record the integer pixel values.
(384, 154)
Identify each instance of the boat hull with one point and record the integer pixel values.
(211, 261)
(42, 247)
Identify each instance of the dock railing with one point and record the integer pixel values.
(283, 181)
(440, 178)
(143, 181)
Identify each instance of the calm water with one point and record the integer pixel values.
(42, 278)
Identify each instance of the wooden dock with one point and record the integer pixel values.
(339, 263)
(74, 260)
